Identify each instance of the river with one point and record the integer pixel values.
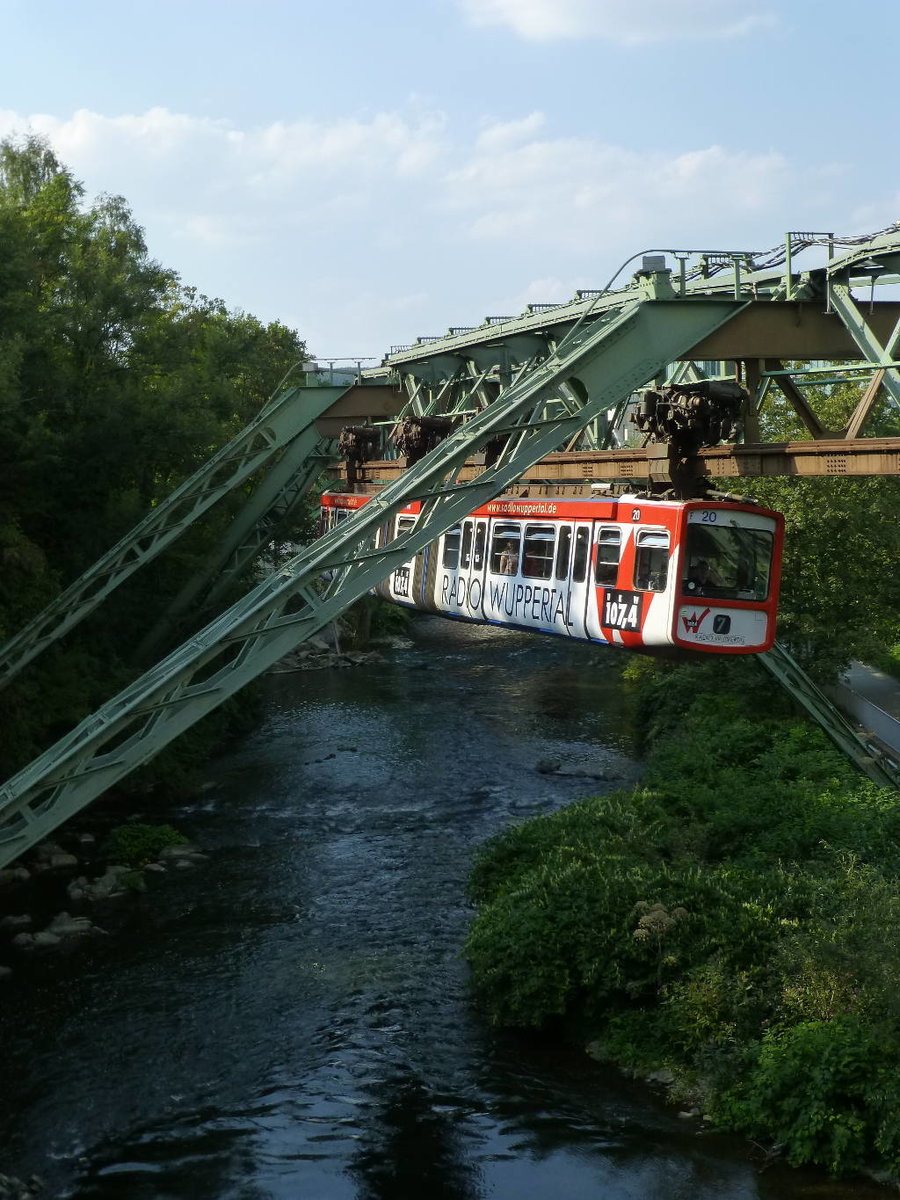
(291, 1019)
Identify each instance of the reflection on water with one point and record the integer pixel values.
(292, 1019)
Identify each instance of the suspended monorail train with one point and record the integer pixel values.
(658, 576)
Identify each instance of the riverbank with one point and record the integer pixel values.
(730, 927)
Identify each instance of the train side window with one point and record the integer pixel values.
(478, 553)
(540, 543)
(404, 524)
(563, 552)
(465, 556)
(651, 561)
(452, 538)
(580, 560)
(609, 551)
(505, 547)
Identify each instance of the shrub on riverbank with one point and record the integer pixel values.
(135, 844)
(736, 920)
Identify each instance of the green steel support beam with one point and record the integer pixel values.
(779, 663)
(855, 323)
(270, 505)
(265, 527)
(276, 426)
(611, 358)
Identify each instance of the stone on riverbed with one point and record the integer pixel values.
(64, 925)
(105, 886)
(663, 1076)
(12, 1188)
(42, 940)
(554, 766)
(20, 921)
(184, 851)
(62, 859)
(11, 875)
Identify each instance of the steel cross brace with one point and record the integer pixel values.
(277, 425)
(611, 359)
(781, 664)
(879, 356)
(271, 504)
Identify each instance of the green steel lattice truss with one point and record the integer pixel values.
(531, 384)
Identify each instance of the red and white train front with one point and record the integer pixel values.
(649, 575)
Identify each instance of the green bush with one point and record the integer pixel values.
(828, 1092)
(737, 918)
(135, 845)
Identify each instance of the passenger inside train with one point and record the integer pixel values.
(702, 577)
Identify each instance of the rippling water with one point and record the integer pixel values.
(292, 1020)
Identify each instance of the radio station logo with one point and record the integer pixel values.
(693, 621)
(622, 610)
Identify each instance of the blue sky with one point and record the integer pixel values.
(368, 173)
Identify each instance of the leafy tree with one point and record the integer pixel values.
(840, 594)
(116, 383)
(841, 591)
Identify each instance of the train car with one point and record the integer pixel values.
(658, 576)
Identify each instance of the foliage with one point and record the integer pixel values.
(887, 661)
(828, 1091)
(371, 618)
(134, 845)
(737, 919)
(833, 403)
(841, 590)
(116, 383)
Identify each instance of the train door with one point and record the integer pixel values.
(612, 608)
(575, 544)
(503, 577)
(475, 590)
(633, 604)
(546, 551)
(460, 580)
(447, 560)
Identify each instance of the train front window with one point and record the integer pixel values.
(651, 561)
(609, 546)
(505, 547)
(540, 543)
(728, 562)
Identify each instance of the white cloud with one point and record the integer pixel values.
(501, 135)
(579, 192)
(365, 231)
(275, 156)
(628, 22)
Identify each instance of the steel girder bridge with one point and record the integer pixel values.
(536, 401)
